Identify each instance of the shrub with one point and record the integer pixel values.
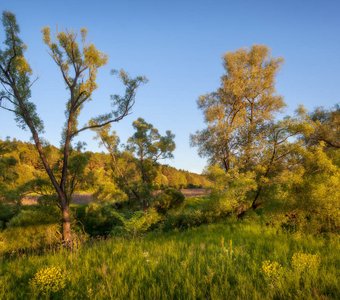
(293, 221)
(109, 193)
(169, 198)
(218, 206)
(141, 222)
(33, 228)
(36, 215)
(184, 219)
(36, 237)
(7, 212)
(100, 219)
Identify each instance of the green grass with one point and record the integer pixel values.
(220, 261)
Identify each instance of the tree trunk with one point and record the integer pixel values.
(254, 205)
(66, 223)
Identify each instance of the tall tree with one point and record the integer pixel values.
(137, 175)
(236, 113)
(78, 63)
(122, 164)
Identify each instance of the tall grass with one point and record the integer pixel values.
(220, 261)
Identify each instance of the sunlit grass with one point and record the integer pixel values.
(221, 261)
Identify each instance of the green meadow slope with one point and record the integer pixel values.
(234, 260)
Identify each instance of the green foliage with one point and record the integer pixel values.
(147, 143)
(109, 193)
(325, 125)
(169, 198)
(149, 146)
(29, 238)
(184, 219)
(15, 75)
(32, 228)
(237, 111)
(100, 219)
(35, 216)
(231, 190)
(7, 212)
(308, 193)
(142, 221)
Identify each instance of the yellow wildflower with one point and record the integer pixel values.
(48, 280)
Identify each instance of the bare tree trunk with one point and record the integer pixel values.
(66, 224)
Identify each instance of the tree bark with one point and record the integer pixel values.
(66, 224)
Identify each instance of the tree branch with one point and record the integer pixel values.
(100, 125)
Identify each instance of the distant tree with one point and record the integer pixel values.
(122, 164)
(236, 113)
(78, 64)
(149, 147)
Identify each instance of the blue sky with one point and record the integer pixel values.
(178, 46)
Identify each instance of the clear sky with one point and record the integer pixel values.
(178, 46)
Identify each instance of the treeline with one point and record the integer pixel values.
(22, 173)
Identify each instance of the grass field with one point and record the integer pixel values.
(233, 260)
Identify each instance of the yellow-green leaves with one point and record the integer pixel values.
(77, 61)
(46, 31)
(93, 57)
(22, 65)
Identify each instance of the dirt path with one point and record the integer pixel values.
(87, 198)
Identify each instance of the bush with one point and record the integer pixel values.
(37, 215)
(36, 237)
(33, 228)
(169, 198)
(100, 219)
(198, 211)
(185, 219)
(218, 206)
(109, 193)
(141, 222)
(7, 212)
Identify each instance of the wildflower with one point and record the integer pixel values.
(304, 262)
(48, 280)
(272, 271)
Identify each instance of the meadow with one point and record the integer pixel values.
(229, 260)
(260, 221)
